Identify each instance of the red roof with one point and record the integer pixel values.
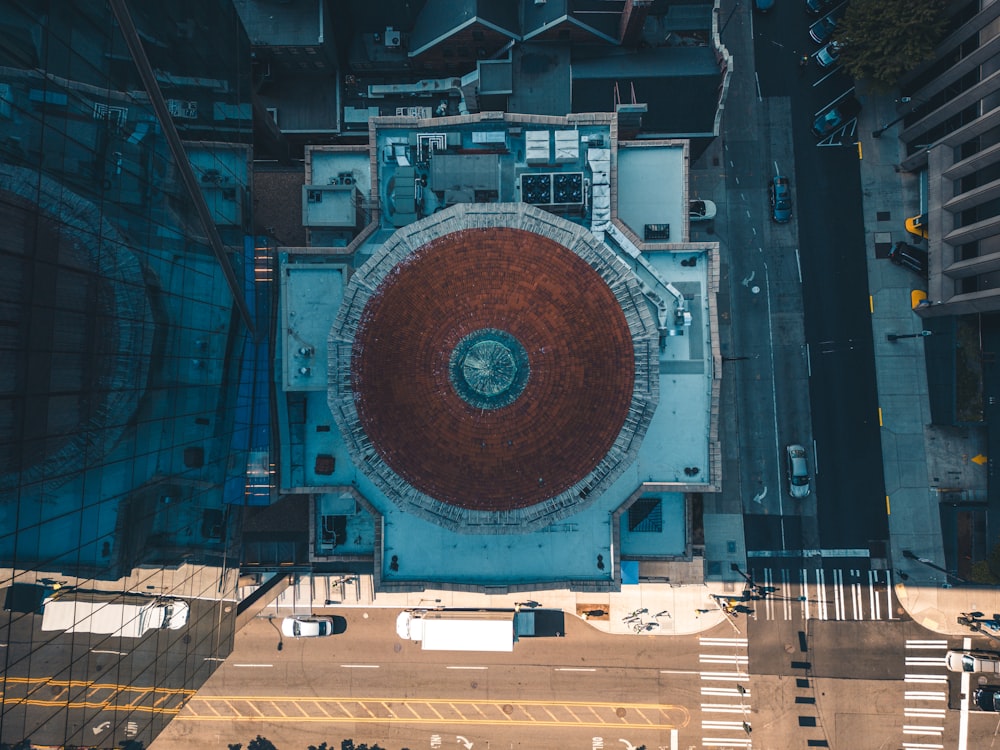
(576, 397)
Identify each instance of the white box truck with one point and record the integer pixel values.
(75, 613)
(475, 630)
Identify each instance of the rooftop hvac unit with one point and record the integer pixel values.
(391, 37)
(346, 178)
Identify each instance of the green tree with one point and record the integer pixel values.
(883, 39)
(988, 570)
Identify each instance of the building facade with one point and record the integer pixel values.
(952, 136)
(128, 312)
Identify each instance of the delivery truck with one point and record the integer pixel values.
(128, 618)
(475, 630)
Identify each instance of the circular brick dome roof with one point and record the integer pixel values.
(414, 408)
(492, 368)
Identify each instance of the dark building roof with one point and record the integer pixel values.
(298, 24)
(442, 18)
(676, 84)
(541, 79)
(596, 16)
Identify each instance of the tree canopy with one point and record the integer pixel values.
(883, 39)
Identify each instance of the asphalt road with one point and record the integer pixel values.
(585, 690)
(847, 462)
(57, 688)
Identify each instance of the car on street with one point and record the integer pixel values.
(822, 29)
(763, 6)
(701, 210)
(306, 626)
(972, 661)
(798, 472)
(828, 55)
(838, 115)
(987, 697)
(780, 194)
(917, 225)
(908, 256)
(815, 7)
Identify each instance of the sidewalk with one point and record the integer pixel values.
(914, 452)
(643, 609)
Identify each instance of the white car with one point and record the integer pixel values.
(306, 626)
(701, 210)
(828, 55)
(972, 661)
(798, 472)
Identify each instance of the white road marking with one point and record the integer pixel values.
(963, 720)
(925, 678)
(724, 658)
(711, 724)
(722, 708)
(726, 742)
(723, 641)
(723, 691)
(921, 729)
(933, 661)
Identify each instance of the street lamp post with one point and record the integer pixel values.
(281, 643)
(897, 336)
(908, 554)
(904, 100)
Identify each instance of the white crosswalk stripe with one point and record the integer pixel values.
(823, 594)
(727, 708)
(920, 705)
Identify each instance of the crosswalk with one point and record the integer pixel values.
(925, 696)
(725, 688)
(823, 594)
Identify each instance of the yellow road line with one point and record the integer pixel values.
(432, 722)
(414, 711)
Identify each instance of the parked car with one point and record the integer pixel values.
(798, 472)
(828, 55)
(701, 210)
(822, 29)
(903, 254)
(917, 225)
(842, 112)
(987, 697)
(815, 7)
(972, 661)
(780, 194)
(763, 6)
(306, 626)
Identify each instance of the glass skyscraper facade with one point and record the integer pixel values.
(127, 320)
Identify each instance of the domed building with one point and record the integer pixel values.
(499, 358)
(493, 368)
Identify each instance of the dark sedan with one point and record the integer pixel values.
(822, 30)
(842, 112)
(987, 697)
(780, 194)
